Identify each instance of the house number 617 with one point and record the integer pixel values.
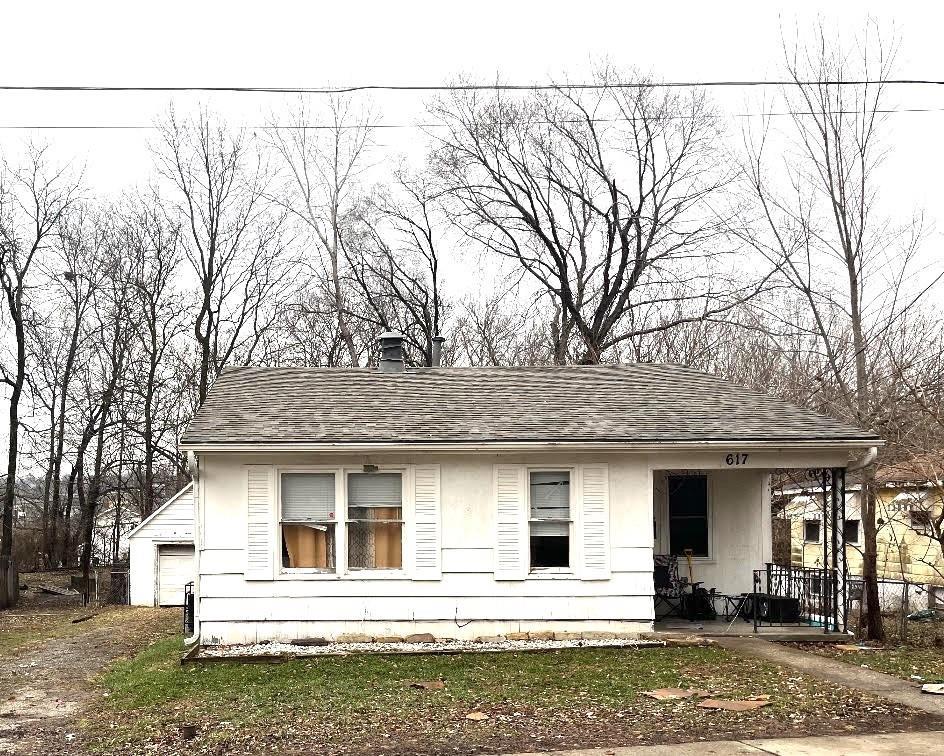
(735, 459)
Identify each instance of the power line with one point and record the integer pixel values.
(393, 126)
(327, 90)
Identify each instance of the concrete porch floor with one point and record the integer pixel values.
(739, 628)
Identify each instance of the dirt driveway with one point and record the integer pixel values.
(48, 661)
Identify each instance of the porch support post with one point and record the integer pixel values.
(843, 569)
(834, 536)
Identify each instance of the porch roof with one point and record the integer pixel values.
(621, 404)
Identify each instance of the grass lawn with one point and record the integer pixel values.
(365, 704)
(920, 654)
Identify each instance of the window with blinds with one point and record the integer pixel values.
(550, 519)
(307, 520)
(375, 521)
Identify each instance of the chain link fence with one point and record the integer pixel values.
(912, 613)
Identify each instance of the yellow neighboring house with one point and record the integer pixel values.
(910, 509)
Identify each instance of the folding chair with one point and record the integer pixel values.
(670, 589)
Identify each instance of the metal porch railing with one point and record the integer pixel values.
(188, 609)
(796, 596)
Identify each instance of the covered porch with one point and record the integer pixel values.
(713, 564)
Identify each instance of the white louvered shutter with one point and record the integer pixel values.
(511, 519)
(427, 549)
(594, 522)
(260, 517)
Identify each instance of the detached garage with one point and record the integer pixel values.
(162, 553)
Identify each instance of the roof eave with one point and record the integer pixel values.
(487, 446)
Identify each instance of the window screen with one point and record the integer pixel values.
(550, 519)
(688, 515)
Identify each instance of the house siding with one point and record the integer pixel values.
(466, 602)
(902, 554)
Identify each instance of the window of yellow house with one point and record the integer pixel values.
(850, 531)
(811, 531)
(920, 521)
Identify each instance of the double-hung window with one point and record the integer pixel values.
(375, 521)
(308, 522)
(550, 519)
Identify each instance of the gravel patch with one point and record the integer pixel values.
(261, 650)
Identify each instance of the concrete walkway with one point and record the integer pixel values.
(849, 675)
(847, 745)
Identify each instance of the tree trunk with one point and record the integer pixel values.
(870, 620)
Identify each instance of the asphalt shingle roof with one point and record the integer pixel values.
(616, 403)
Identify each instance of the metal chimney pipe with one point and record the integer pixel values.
(391, 352)
(435, 356)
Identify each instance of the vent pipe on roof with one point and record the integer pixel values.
(435, 352)
(391, 352)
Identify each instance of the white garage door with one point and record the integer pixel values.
(175, 569)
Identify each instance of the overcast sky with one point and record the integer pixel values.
(282, 44)
(310, 44)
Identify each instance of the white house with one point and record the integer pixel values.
(468, 502)
(162, 552)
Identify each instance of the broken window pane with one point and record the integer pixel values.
(308, 545)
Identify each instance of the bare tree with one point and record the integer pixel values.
(850, 269)
(234, 241)
(33, 200)
(600, 197)
(497, 330)
(73, 271)
(152, 243)
(393, 256)
(322, 167)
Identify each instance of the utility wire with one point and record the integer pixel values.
(327, 90)
(346, 127)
